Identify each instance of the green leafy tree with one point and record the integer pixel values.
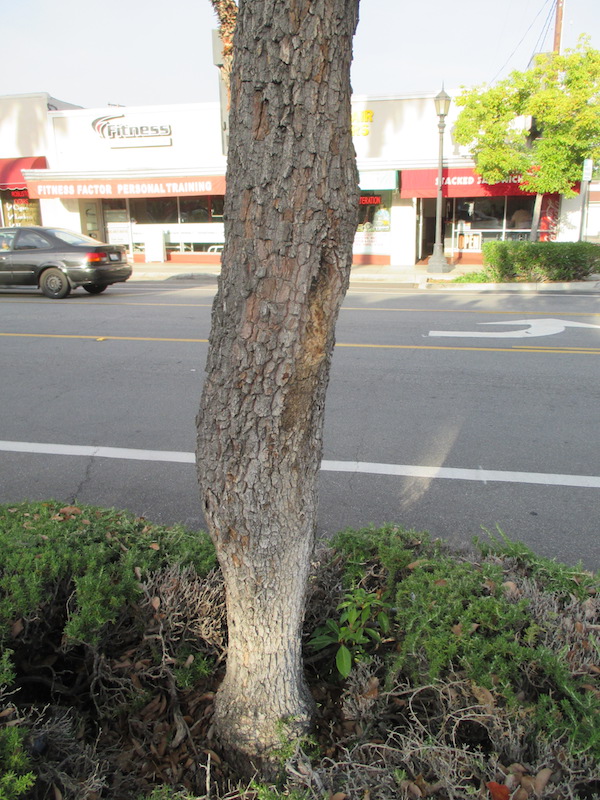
(541, 123)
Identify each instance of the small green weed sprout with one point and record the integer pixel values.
(290, 746)
(191, 668)
(166, 793)
(363, 620)
(262, 791)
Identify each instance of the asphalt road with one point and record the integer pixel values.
(447, 412)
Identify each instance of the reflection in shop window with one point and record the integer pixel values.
(519, 212)
(194, 209)
(154, 210)
(481, 212)
(217, 207)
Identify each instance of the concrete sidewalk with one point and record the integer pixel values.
(413, 277)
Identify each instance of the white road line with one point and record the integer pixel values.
(452, 473)
(358, 467)
(97, 452)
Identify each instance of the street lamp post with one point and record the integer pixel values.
(437, 262)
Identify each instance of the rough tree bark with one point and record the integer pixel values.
(290, 217)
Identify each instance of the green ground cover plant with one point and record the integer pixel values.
(510, 262)
(460, 672)
(540, 261)
(95, 557)
(15, 778)
(480, 276)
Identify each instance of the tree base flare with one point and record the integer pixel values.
(256, 742)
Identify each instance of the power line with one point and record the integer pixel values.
(524, 35)
(546, 28)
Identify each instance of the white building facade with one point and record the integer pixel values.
(152, 178)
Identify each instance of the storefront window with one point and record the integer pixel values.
(154, 210)
(194, 209)
(217, 208)
(481, 212)
(519, 212)
(114, 211)
(187, 219)
(374, 212)
(477, 220)
(18, 209)
(169, 210)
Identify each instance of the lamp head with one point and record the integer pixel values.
(442, 103)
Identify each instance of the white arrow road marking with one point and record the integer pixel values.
(537, 327)
(357, 467)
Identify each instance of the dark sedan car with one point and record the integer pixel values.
(58, 261)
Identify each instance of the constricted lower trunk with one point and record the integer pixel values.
(290, 216)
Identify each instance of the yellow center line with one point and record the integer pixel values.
(530, 349)
(166, 305)
(100, 338)
(474, 311)
(83, 301)
(554, 347)
(515, 349)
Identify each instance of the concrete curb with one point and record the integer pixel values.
(393, 276)
(576, 287)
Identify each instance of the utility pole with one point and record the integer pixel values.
(219, 61)
(558, 26)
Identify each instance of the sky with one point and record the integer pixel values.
(154, 52)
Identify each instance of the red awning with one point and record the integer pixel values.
(462, 182)
(11, 176)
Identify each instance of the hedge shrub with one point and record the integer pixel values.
(541, 261)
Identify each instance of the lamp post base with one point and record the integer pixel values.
(437, 262)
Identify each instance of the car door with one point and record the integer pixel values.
(6, 240)
(30, 249)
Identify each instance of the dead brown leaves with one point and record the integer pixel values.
(518, 784)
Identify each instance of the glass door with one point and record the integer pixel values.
(92, 223)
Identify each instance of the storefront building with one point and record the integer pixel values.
(591, 220)
(475, 212)
(396, 140)
(16, 206)
(24, 144)
(152, 179)
(149, 178)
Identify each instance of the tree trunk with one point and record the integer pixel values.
(535, 221)
(290, 217)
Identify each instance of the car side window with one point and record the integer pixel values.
(6, 239)
(30, 240)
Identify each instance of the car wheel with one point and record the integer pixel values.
(95, 288)
(54, 284)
